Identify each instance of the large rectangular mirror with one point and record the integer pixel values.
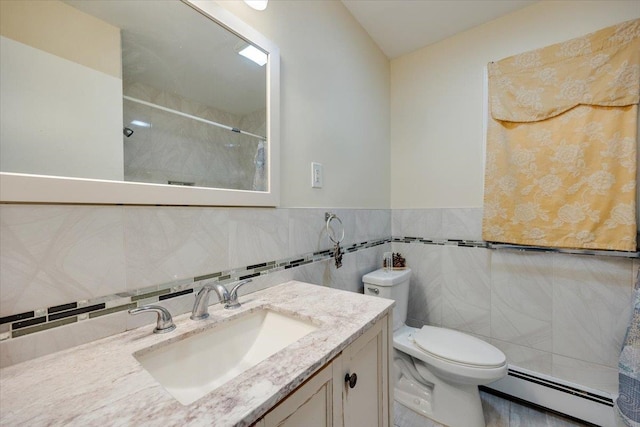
(136, 101)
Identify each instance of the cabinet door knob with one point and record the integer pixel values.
(351, 379)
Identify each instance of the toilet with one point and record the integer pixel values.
(437, 371)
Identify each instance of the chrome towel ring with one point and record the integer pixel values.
(332, 235)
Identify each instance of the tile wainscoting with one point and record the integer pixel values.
(558, 314)
(73, 271)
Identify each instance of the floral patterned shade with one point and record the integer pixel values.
(561, 143)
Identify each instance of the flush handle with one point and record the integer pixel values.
(351, 379)
(374, 290)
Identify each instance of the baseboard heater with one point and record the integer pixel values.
(579, 402)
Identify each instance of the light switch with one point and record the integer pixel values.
(317, 177)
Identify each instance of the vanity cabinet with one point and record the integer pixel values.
(314, 404)
(351, 391)
(367, 358)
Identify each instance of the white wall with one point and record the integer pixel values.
(335, 103)
(41, 94)
(51, 78)
(436, 98)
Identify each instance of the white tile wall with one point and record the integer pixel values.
(592, 375)
(58, 254)
(425, 292)
(526, 357)
(257, 235)
(466, 290)
(372, 224)
(307, 231)
(463, 223)
(417, 223)
(592, 307)
(163, 245)
(557, 314)
(521, 299)
(53, 255)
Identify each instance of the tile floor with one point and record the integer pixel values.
(498, 412)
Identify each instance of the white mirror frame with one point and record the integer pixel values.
(26, 188)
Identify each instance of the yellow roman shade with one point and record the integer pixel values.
(561, 143)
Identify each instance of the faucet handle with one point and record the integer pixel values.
(164, 322)
(233, 295)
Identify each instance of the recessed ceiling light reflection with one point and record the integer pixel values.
(141, 124)
(254, 54)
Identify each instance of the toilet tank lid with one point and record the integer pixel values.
(383, 277)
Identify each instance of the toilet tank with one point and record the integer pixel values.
(391, 284)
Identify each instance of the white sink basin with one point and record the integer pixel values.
(195, 366)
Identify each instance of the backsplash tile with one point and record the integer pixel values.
(254, 233)
(307, 231)
(52, 255)
(69, 313)
(112, 310)
(41, 326)
(38, 344)
(174, 242)
(169, 253)
(16, 317)
(62, 307)
(176, 294)
(29, 322)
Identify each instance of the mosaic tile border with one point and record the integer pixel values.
(521, 248)
(41, 319)
(442, 242)
(20, 324)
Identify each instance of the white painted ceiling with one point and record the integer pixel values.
(402, 26)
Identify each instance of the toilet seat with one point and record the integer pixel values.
(454, 371)
(456, 347)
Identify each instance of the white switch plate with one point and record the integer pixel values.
(317, 176)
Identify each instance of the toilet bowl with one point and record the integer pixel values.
(437, 371)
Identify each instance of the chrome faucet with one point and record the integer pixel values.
(164, 323)
(229, 299)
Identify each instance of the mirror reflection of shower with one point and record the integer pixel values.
(181, 69)
(183, 129)
(175, 148)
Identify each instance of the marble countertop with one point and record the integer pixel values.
(102, 383)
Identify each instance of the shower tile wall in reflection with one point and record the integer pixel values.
(167, 147)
